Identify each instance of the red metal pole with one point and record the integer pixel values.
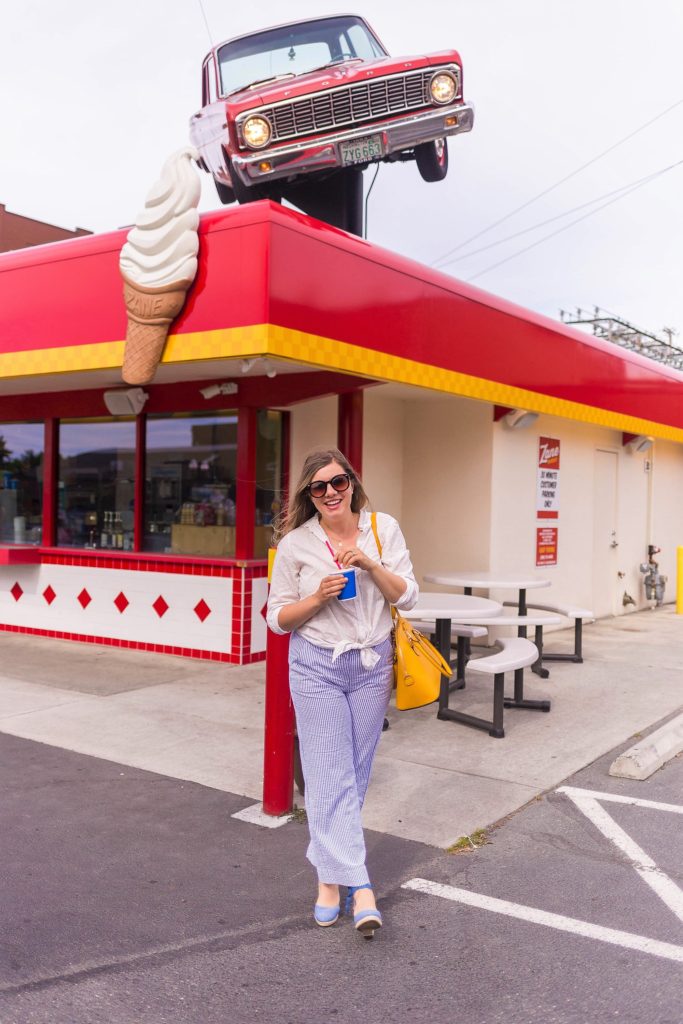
(278, 749)
(140, 489)
(350, 428)
(50, 482)
(246, 483)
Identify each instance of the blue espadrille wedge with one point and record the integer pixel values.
(325, 916)
(364, 921)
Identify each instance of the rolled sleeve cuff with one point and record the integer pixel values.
(408, 598)
(272, 616)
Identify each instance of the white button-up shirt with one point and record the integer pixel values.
(304, 558)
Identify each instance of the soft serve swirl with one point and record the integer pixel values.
(162, 247)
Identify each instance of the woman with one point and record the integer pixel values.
(340, 662)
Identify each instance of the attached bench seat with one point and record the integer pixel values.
(516, 654)
(462, 634)
(569, 611)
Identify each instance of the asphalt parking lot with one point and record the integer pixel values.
(132, 897)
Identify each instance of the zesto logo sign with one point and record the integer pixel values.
(548, 453)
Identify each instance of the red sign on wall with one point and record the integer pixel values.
(546, 545)
(548, 479)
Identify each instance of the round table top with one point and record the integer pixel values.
(452, 606)
(505, 580)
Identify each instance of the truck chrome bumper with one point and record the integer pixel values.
(324, 154)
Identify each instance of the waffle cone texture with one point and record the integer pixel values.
(151, 312)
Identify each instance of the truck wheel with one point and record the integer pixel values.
(432, 160)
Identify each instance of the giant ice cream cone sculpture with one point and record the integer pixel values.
(158, 264)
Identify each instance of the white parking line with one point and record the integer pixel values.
(616, 798)
(589, 803)
(566, 924)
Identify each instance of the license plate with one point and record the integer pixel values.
(361, 151)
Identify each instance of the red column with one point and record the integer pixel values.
(278, 747)
(139, 486)
(50, 482)
(350, 428)
(246, 483)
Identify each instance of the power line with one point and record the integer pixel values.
(557, 184)
(558, 216)
(545, 238)
(208, 30)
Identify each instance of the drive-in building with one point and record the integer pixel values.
(149, 527)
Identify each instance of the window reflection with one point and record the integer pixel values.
(21, 483)
(268, 477)
(191, 469)
(96, 484)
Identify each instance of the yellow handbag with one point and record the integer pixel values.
(418, 666)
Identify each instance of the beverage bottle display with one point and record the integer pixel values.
(104, 539)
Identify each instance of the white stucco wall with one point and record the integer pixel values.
(313, 425)
(447, 483)
(384, 423)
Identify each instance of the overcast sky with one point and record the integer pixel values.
(94, 96)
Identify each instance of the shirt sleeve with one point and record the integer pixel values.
(396, 558)
(284, 586)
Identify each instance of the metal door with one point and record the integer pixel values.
(605, 536)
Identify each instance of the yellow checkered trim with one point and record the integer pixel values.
(324, 354)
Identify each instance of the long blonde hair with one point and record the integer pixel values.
(300, 507)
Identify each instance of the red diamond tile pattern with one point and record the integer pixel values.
(49, 594)
(16, 591)
(202, 610)
(160, 606)
(121, 602)
(84, 598)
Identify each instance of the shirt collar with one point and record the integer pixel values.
(313, 524)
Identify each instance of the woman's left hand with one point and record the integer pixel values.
(352, 557)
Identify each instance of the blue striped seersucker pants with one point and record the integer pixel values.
(340, 708)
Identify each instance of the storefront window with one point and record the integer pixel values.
(191, 468)
(268, 477)
(21, 483)
(96, 483)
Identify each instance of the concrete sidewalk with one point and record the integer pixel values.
(433, 781)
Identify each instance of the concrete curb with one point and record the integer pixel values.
(650, 753)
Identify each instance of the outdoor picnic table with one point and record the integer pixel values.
(490, 580)
(448, 608)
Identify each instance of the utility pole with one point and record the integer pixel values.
(615, 329)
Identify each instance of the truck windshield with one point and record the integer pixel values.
(294, 50)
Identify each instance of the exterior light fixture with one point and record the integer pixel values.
(125, 401)
(213, 390)
(518, 419)
(269, 368)
(637, 442)
(246, 365)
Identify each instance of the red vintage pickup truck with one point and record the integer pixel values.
(305, 100)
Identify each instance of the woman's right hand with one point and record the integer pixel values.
(330, 587)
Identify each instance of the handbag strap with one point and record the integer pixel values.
(373, 521)
(415, 638)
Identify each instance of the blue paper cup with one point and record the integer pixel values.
(349, 590)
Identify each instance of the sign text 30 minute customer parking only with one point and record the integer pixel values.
(547, 499)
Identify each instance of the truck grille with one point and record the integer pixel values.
(326, 111)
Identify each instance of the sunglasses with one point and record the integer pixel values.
(318, 488)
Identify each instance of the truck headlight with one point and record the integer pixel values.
(443, 87)
(256, 132)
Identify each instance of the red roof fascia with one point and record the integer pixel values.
(262, 263)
